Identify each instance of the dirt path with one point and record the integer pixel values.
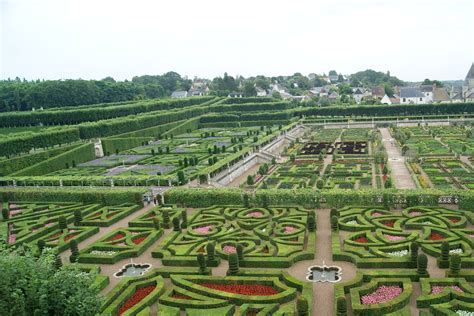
(400, 174)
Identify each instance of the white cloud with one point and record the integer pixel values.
(93, 39)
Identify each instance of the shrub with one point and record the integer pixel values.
(184, 219)
(311, 222)
(74, 251)
(176, 227)
(62, 223)
(41, 244)
(201, 263)
(444, 258)
(341, 306)
(233, 264)
(240, 251)
(334, 223)
(77, 217)
(5, 212)
(211, 252)
(422, 264)
(414, 252)
(246, 200)
(156, 223)
(58, 263)
(166, 218)
(455, 264)
(302, 308)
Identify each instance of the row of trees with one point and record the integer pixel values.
(22, 95)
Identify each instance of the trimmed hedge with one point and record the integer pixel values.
(84, 195)
(72, 157)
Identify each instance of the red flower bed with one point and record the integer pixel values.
(139, 295)
(389, 224)
(57, 235)
(454, 219)
(362, 240)
(436, 236)
(243, 289)
(139, 240)
(117, 236)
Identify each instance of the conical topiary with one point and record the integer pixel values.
(201, 263)
(77, 217)
(166, 218)
(240, 251)
(455, 264)
(41, 244)
(443, 260)
(58, 263)
(156, 223)
(211, 252)
(302, 308)
(422, 264)
(334, 223)
(311, 222)
(184, 219)
(233, 264)
(62, 222)
(341, 306)
(74, 251)
(176, 227)
(414, 252)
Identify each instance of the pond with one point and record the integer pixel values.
(324, 274)
(133, 270)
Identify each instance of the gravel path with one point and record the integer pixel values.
(396, 162)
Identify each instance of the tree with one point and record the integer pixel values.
(249, 89)
(34, 286)
(166, 218)
(202, 263)
(77, 217)
(40, 244)
(62, 222)
(389, 89)
(74, 250)
(444, 258)
(455, 264)
(388, 183)
(341, 309)
(319, 184)
(181, 177)
(246, 200)
(176, 227)
(311, 222)
(250, 180)
(276, 95)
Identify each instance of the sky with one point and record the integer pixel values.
(93, 39)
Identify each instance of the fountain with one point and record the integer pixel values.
(324, 273)
(133, 270)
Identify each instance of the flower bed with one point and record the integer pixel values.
(203, 229)
(255, 214)
(393, 237)
(415, 213)
(457, 251)
(389, 224)
(353, 222)
(139, 295)
(436, 236)
(289, 229)
(436, 289)
(382, 294)
(401, 253)
(361, 240)
(102, 253)
(117, 237)
(377, 214)
(139, 240)
(229, 249)
(462, 312)
(243, 289)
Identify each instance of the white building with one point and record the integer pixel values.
(412, 96)
(386, 100)
(179, 94)
(427, 91)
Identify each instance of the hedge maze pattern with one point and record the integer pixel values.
(271, 237)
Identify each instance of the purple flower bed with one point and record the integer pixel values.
(436, 289)
(383, 293)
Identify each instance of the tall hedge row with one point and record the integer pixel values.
(111, 145)
(152, 132)
(247, 100)
(70, 158)
(14, 164)
(389, 110)
(25, 143)
(90, 114)
(85, 195)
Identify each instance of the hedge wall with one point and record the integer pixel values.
(24, 143)
(111, 145)
(85, 195)
(72, 157)
(90, 114)
(248, 100)
(11, 165)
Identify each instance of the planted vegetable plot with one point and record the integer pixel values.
(376, 238)
(445, 174)
(170, 291)
(273, 237)
(290, 175)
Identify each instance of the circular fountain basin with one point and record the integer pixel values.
(324, 273)
(133, 270)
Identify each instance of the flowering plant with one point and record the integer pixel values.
(383, 293)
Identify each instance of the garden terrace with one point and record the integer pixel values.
(351, 174)
(290, 175)
(271, 237)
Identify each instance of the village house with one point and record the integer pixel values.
(412, 95)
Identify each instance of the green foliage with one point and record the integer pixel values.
(246, 200)
(77, 217)
(233, 264)
(62, 223)
(34, 286)
(201, 259)
(176, 226)
(341, 309)
(184, 219)
(414, 252)
(445, 251)
(302, 308)
(422, 264)
(40, 244)
(240, 251)
(5, 212)
(334, 223)
(211, 252)
(74, 250)
(311, 222)
(166, 218)
(455, 264)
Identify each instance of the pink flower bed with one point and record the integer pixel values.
(471, 235)
(289, 229)
(377, 214)
(203, 229)
(415, 213)
(11, 235)
(255, 214)
(229, 249)
(436, 289)
(393, 237)
(383, 293)
(15, 212)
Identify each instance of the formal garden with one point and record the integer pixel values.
(245, 206)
